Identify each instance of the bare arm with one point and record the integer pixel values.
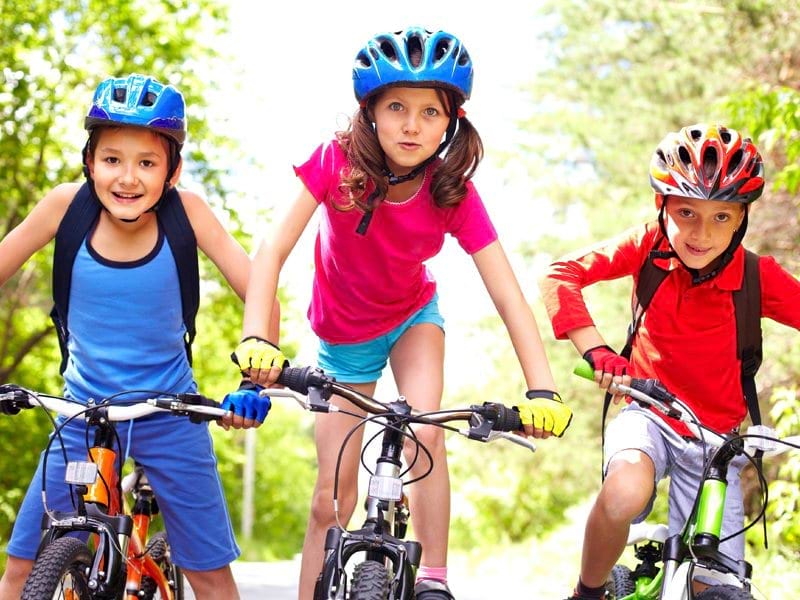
(35, 231)
(513, 308)
(267, 264)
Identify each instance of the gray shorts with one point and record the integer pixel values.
(682, 461)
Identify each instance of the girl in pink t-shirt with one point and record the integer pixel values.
(389, 194)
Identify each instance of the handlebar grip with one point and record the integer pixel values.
(507, 419)
(13, 399)
(584, 369)
(299, 379)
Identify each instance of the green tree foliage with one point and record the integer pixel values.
(617, 78)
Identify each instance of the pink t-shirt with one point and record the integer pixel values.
(366, 285)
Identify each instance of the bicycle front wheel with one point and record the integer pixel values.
(620, 583)
(61, 571)
(724, 592)
(158, 548)
(370, 581)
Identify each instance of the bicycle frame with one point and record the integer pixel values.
(694, 552)
(381, 536)
(122, 553)
(119, 537)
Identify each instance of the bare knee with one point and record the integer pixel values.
(628, 487)
(322, 512)
(432, 438)
(13, 580)
(217, 583)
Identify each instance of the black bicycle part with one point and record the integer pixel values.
(159, 550)
(370, 581)
(621, 582)
(724, 592)
(62, 567)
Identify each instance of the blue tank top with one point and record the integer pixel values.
(126, 329)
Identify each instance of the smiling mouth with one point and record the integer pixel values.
(126, 197)
(696, 250)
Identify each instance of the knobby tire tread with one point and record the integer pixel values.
(160, 552)
(370, 581)
(63, 557)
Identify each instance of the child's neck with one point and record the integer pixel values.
(403, 191)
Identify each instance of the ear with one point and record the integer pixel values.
(177, 174)
(659, 201)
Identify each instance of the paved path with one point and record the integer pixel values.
(538, 570)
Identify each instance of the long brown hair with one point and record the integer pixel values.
(367, 161)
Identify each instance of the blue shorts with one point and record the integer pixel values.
(364, 362)
(682, 460)
(178, 458)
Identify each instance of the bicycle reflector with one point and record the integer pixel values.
(81, 473)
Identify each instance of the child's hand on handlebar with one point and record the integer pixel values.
(259, 359)
(248, 407)
(544, 414)
(609, 368)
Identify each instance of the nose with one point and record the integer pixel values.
(411, 124)
(128, 176)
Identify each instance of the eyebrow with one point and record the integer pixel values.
(111, 149)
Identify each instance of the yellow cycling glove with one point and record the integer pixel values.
(257, 353)
(544, 410)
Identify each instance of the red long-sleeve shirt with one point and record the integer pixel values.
(687, 336)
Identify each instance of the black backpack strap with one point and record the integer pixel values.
(650, 277)
(183, 243)
(747, 303)
(80, 217)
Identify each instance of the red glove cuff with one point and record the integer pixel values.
(603, 358)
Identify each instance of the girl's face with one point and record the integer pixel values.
(700, 230)
(129, 166)
(410, 124)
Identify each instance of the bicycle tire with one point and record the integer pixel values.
(724, 592)
(370, 581)
(60, 571)
(620, 582)
(158, 548)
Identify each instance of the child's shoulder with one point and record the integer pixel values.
(57, 200)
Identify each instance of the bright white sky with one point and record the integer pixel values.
(295, 90)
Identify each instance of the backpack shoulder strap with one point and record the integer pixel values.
(747, 304)
(80, 217)
(650, 277)
(183, 243)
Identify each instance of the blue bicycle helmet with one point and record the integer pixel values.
(412, 57)
(139, 101)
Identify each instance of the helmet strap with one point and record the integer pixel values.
(174, 161)
(449, 134)
(724, 258)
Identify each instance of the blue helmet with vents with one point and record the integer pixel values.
(413, 57)
(139, 101)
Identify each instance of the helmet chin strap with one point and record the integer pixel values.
(723, 259)
(174, 159)
(397, 179)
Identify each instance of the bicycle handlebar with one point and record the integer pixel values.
(651, 392)
(312, 389)
(13, 398)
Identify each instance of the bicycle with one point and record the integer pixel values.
(694, 551)
(390, 561)
(119, 559)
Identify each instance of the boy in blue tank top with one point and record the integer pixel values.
(126, 327)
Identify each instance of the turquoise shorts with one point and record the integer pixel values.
(364, 362)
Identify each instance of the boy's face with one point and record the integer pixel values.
(129, 166)
(700, 230)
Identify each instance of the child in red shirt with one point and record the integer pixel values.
(704, 178)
